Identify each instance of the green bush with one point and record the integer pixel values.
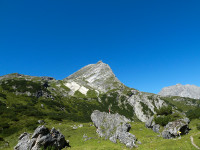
(3, 95)
(79, 94)
(23, 86)
(91, 94)
(198, 126)
(165, 110)
(162, 120)
(193, 114)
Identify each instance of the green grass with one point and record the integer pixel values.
(150, 140)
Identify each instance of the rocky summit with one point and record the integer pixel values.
(113, 127)
(99, 77)
(191, 91)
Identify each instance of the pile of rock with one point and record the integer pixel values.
(176, 128)
(41, 138)
(113, 127)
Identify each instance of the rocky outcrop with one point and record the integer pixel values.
(145, 104)
(176, 128)
(151, 124)
(41, 138)
(97, 76)
(113, 127)
(191, 91)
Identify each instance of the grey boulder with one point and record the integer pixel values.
(176, 128)
(113, 127)
(151, 124)
(41, 138)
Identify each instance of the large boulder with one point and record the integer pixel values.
(41, 138)
(176, 128)
(150, 123)
(113, 127)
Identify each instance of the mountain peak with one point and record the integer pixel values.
(191, 91)
(98, 76)
(99, 62)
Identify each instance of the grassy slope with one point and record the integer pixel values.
(149, 139)
(23, 112)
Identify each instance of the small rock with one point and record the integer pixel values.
(80, 126)
(41, 121)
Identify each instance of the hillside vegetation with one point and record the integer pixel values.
(24, 100)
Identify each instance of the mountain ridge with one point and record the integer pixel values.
(191, 91)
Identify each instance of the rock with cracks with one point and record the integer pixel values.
(41, 138)
(113, 127)
(176, 128)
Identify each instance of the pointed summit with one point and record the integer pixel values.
(98, 76)
(99, 62)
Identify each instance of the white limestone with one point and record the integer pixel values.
(83, 90)
(76, 87)
(73, 86)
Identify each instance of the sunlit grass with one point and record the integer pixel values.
(150, 140)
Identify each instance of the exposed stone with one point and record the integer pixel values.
(98, 76)
(176, 128)
(41, 137)
(191, 91)
(151, 102)
(80, 126)
(113, 127)
(156, 128)
(138, 142)
(151, 124)
(41, 121)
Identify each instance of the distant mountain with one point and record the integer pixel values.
(191, 91)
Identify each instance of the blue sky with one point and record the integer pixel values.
(149, 44)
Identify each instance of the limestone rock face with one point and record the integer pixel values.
(176, 128)
(113, 127)
(98, 76)
(144, 105)
(41, 137)
(191, 91)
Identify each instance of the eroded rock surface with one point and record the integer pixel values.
(41, 138)
(113, 127)
(176, 128)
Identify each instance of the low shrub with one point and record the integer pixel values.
(198, 126)
(193, 114)
(165, 110)
(162, 120)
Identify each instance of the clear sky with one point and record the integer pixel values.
(149, 44)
